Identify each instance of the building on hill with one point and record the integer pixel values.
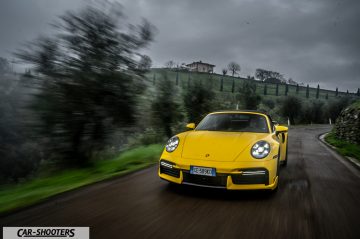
(200, 66)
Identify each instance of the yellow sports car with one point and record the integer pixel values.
(233, 150)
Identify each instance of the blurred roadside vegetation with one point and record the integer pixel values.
(47, 184)
(343, 147)
(345, 136)
(90, 94)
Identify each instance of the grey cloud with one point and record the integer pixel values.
(311, 41)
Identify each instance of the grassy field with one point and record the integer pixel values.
(343, 147)
(21, 195)
(214, 81)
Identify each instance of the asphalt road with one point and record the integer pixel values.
(319, 197)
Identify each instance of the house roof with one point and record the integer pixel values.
(200, 62)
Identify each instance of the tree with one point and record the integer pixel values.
(334, 107)
(248, 97)
(277, 75)
(4, 66)
(19, 156)
(317, 112)
(261, 74)
(189, 79)
(198, 101)
(336, 92)
(272, 81)
(265, 89)
(170, 64)
(269, 103)
(177, 78)
(145, 63)
(224, 71)
(290, 81)
(291, 107)
(89, 80)
(233, 86)
(222, 84)
(164, 108)
(297, 88)
(358, 92)
(234, 68)
(286, 89)
(313, 112)
(250, 77)
(307, 91)
(277, 90)
(317, 91)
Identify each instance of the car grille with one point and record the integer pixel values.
(251, 178)
(217, 181)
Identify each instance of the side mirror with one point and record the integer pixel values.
(281, 129)
(190, 126)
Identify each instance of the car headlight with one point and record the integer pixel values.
(172, 144)
(260, 150)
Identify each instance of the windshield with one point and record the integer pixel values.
(234, 122)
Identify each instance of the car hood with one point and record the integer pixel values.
(219, 146)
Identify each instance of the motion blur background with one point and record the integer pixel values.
(100, 80)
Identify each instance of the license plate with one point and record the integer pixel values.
(203, 171)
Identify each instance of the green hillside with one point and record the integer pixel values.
(213, 81)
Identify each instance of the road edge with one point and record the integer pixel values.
(79, 189)
(349, 162)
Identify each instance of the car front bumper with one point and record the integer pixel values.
(229, 175)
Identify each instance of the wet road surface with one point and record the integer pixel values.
(318, 197)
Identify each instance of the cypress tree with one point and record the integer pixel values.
(286, 89)
(336, 92)
(233, 86)
(188, 83)
(317, 91)
(177, 78)
(307, 91)
(358, 92)
(277, 89)
(297, 88)
(222, 84)
(265, 89)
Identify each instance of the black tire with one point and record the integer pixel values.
(284, 163)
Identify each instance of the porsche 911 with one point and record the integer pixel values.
(234, 150)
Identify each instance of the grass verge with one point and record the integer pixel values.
(343, 147)
(21, 195)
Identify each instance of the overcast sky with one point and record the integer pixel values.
(311, 41)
